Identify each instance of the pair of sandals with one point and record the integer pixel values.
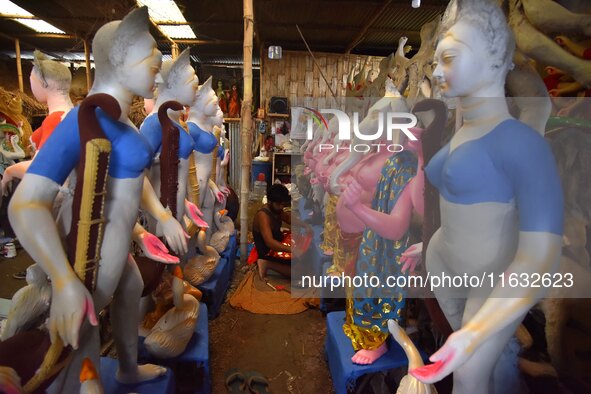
(248, 382)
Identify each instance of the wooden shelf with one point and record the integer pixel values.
(285, 116)
(282, 161)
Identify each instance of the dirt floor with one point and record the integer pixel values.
(287, 349)
(10, 266)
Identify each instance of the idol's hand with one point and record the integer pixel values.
(175, 235)
(194, 214)
(17, 170)
(10, 382)
(192, 209)
(154, 249)
(411, 257)
(458, 348)
(219, 196)
(352, 195)
(71, 303)
(323, 177)
(307, 171)
(225, 190)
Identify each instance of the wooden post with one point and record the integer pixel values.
(19, 67)
(246, 129)
(174, 50)
(87, 62)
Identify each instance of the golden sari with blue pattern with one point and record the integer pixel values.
(367, 316)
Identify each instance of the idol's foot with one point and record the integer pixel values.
(143, 373)
(365, 357)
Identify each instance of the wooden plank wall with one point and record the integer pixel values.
(296, 77)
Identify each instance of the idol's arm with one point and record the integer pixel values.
(538, 252)
(219, 196)
(30, 213)
(17, 171)
(530, 168)
(173, 231)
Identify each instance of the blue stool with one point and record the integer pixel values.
(231, 250)
(196, 353)
(215, 288)
(162, 385)
(339, 352)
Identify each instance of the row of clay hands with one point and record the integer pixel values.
(70, 290)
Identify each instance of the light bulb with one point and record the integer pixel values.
(416, 3)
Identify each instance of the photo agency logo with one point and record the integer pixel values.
(352, 139)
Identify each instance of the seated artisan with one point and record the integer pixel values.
(266, 229)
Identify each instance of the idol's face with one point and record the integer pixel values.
(140, 66)
(39, 91)
(462, 66)
(186, 86)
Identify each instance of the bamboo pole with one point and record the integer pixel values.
(174, 50)
(316, 63)
(27, 44)
(246, 127)
(262, 55)
(87, 61)
(19, 67)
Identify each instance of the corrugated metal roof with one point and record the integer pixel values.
(397, 22)
(76, 57)
(328, 25)
(224, 60)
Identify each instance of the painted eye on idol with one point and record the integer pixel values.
(448, 59)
